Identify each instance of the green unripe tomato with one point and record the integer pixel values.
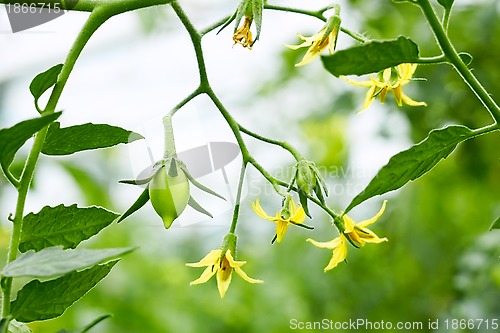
(169, 193)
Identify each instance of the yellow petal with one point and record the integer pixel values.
(295, 47)
(232, 262)
(369, 236)
(368, 98)
(383, 94)
(308, 57)
(206, 275)
(298, 216)
(339, 254)
(348, 224)
(259, 211)
(245, 277)
(357, 83)
(405, 71)
(281, 229)
(325, 245)
(366, 223)
(210, 259)
(398, 94)
(407, 100)
(386, 75)
(224, 280)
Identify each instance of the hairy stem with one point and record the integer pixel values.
(237, 204)
(452, 55)
(95, 20)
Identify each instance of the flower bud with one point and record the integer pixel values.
(169, 192)
(306, 179)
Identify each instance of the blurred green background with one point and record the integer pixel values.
(440, 262)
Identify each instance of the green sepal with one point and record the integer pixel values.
(319, 194)
(198, 184)
(319, 178)
(305, 226)
(240, 12)
(136, 181)
(303, 201)
(141, 201)
(257, 8)
(198, 207)
(229, 243)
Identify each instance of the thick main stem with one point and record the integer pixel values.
(452, 55)
(96, 19)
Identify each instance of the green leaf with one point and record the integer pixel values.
(69, 140)
(414, 162)
(46, 300)
(446, 3)
(63, 225)
(16, 327)
(141, 201)
(371, 57)
(55, 261)
(13, 138)
(43, 81)
(496, 224)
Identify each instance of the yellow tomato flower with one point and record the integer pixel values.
(357, 233)
(223, 265)
(243, 35)
(289, 214)
(326, 38)
(391, 79)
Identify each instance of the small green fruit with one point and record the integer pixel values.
(169, 192)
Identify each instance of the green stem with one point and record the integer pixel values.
(115, 6)
(196, 41)
(169, 149)
(452, 55)
(237, 204)
(440, 59)
(446, 18)
(319, 15)
(277, 182)
(10, 177)
(282, 144)
(95, 20)
(186, 100)
(235, 127)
